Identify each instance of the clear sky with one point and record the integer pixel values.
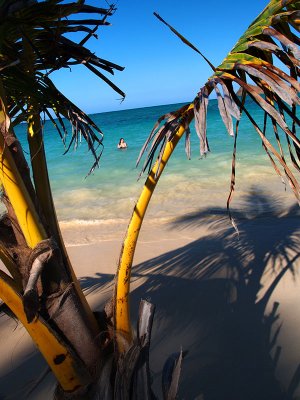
(159, 68)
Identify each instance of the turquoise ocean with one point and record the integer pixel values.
(108, 195)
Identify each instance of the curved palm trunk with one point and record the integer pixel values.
(122, 286)
(70, 317)
(41, 176)
(15, 188)
(45, 199)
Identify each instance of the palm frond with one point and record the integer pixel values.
(252, 65)
(44, 25)
(160, 135)
(48, 97)
(44, 28)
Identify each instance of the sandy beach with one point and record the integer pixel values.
(231, 302)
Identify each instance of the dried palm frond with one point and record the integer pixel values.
(161, 134)
(271, 39)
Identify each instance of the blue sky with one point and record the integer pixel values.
(159, 68)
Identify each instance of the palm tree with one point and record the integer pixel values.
(42, 290)
(270, 39)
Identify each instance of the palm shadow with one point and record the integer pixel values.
(26, 375)
(213, 299)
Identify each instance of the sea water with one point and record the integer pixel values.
(108, 194)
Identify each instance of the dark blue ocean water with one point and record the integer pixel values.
(110, 192)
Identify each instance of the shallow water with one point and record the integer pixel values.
(109, 194)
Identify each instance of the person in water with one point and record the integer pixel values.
(122, 144)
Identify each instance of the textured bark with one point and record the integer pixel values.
(66, 312)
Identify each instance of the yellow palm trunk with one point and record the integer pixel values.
(122, 288)
(56, 353)
(34, 232)
(16, 191)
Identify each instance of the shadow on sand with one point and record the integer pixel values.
(212, 298)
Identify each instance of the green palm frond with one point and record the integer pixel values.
(252, 65)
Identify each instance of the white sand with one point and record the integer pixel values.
(206, 284)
